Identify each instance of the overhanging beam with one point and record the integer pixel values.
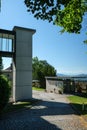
(6, 54)
(7, 34)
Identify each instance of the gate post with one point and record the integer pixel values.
(22, 64)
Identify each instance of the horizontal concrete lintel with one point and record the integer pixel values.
(7, 34)
(23, 28)
(6, 54)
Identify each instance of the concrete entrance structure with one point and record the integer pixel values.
(22, 62)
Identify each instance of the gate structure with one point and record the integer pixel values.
(18, 45)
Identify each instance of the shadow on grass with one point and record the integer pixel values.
(12, 107)
(81, 109)
(79, 102)
(81, 94)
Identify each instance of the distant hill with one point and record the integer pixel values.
(79, 77)
(82, 75)
(61, 75)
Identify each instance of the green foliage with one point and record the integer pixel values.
(43, 9)
(4, 92)
(38, 89)
(42, 69)
(85, 41)
(70, 18)
(1, 66)
(65, 13)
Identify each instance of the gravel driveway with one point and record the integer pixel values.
(52, 112)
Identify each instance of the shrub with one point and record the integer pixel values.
(4, 92)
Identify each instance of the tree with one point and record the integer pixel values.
(41, 69)
(4, 92)
(1, 66)
(65, 13)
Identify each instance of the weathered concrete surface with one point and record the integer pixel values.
(22, 64)
(53, 112)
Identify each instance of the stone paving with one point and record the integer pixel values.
(52, 112)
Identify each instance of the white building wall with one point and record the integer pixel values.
(54, 86)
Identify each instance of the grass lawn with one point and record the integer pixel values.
(38, 89)
(80, 103)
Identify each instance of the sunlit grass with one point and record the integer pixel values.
(80, 103)
(38, 89)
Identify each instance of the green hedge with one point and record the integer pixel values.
(4, 92)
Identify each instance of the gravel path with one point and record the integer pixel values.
(52, 112)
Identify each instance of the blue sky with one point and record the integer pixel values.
(66, 52)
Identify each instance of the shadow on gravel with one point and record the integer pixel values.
(45, 108)
(42, 116)
(35, 118)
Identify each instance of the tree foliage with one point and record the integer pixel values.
(70, 18)
(65, 13)
(1, 65)
(4, 92)
(41, 69)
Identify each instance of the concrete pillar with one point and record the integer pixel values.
(22, 64)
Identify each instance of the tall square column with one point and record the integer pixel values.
(22, 64)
